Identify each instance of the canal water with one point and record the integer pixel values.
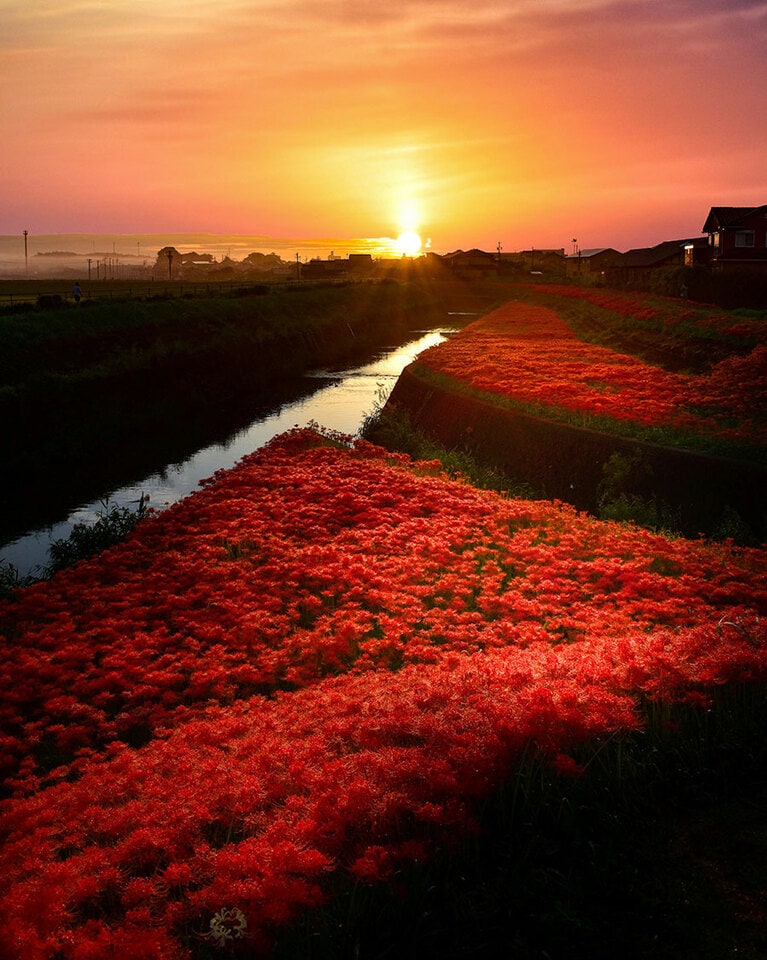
(341, 401)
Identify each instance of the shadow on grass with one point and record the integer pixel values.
(659, 851)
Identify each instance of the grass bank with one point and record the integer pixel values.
(44, 354)
(678, 490)
(569, 410)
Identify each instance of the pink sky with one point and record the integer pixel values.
(529, 122)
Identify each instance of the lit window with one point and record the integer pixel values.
(744, 238)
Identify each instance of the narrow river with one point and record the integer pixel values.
(341, 402)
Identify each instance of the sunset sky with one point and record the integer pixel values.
(529, 122)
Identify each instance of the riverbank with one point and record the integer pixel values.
(95, 397)
(570, 463)
(597, 426)
(341, 400)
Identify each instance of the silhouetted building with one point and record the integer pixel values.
(737, 237)
(591, 263)
(471, 264)
(635, 264)
(544, 260)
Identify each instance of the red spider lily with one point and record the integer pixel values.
(530, 355)
(321, 662)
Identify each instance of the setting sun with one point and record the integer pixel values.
(408, 243)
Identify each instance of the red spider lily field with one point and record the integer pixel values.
(531, 355)
(334, 668)
(315, 671)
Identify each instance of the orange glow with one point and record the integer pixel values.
(524, 123)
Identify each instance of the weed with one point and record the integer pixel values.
(11, 580)
(112, 525)
(392, 428)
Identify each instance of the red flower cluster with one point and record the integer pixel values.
(319, 662)
(530, 355)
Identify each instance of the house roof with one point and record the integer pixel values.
(591, 253)
(650, 256)
(457, 254)
(721, 217)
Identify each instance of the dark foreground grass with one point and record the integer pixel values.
(659, 850)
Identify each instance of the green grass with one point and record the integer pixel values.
(111, 339)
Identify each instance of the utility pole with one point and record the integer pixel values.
(89, 269)
(26, 258)
(169, 255)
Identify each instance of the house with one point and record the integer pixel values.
(544, 260)
(511, 263)
(635, 264)
(362, 264)
(737, 237)
(591, 263)
(471, 263)
(334, 268)
(356, 265)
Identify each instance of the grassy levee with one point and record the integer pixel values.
(45, 353)
(693, 342)
(672, 477)
(566, 462)
(88, 393)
